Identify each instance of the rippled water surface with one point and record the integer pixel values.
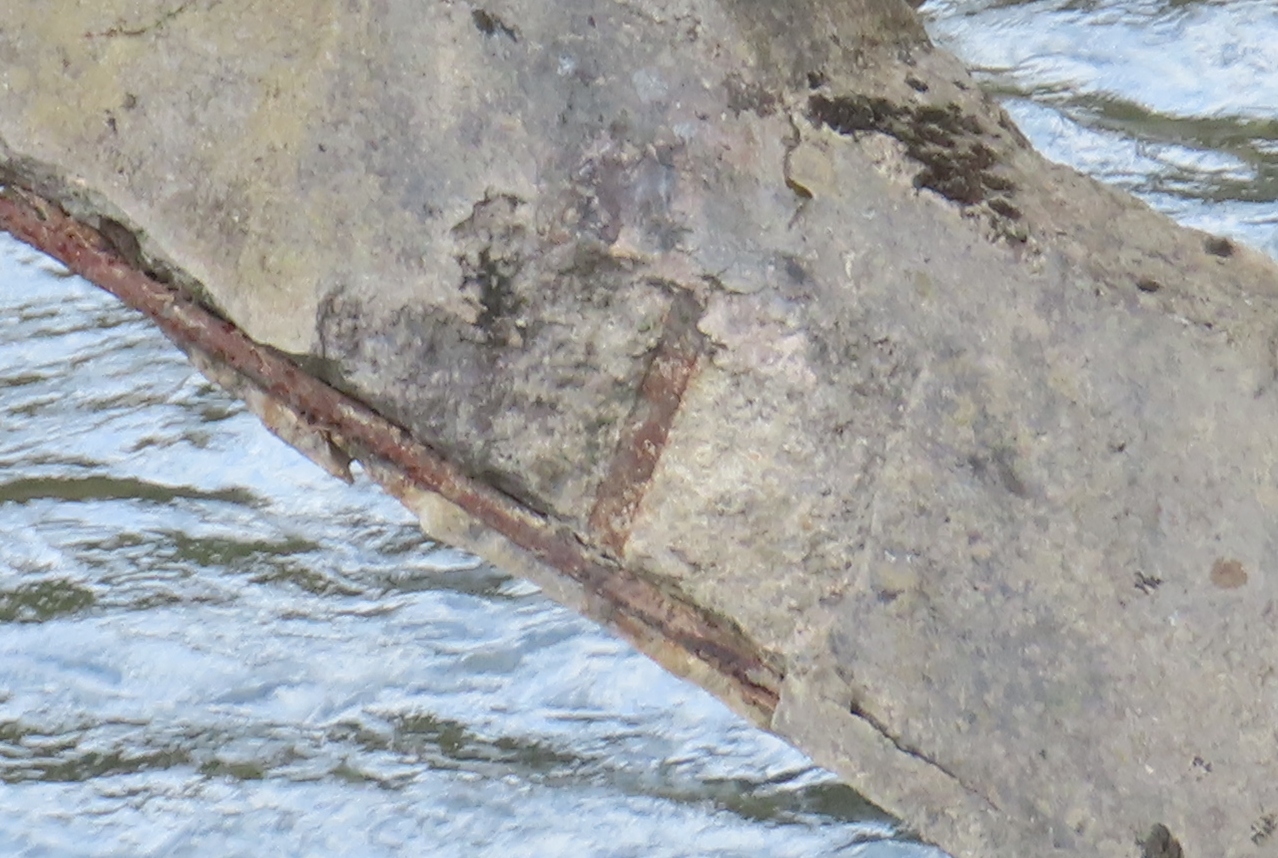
(1174, 100)
(209, 648)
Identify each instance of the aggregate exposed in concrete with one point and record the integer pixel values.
(976, 452)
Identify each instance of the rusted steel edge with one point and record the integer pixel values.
(643, 435)
(631, 603)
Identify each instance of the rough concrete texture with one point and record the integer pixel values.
(977, 451)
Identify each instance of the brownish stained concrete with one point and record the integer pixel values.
(643, 435)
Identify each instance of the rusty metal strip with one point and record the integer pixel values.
(629, 602)
(643, 436)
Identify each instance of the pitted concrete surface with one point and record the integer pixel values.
(977, 451)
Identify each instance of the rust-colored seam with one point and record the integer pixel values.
(633, 604)
(643, 436)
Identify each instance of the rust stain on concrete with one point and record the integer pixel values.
(644, 434)
(1228, 574)
(657, 620)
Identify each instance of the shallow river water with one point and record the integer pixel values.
(210, 648)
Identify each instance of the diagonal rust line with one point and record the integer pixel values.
(650, 615)
(643, 436)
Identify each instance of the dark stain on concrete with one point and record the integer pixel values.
(745, 96)
(1006, 209)
(122, 240)
(795, 269)
(491, 254)
(1148, 284)
(491, 25)
(513, 393)
(999, 468)
(500, 303)
(950, 145)
(1147, 583)
(1263, 828)
(1222, 247)
(1159, 843)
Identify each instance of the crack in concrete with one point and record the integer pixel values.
(792, 142)
(911, 399)
(161, 20)
(911, 751)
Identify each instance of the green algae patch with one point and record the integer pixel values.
(44, 600)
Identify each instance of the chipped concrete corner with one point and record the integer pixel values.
(753, 330)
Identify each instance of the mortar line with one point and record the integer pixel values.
(628, 602)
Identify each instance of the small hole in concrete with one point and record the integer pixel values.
(1148, 284)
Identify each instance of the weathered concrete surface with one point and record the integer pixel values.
(775, 326)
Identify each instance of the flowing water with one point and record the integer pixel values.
(209, 648)
(1173, 100)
